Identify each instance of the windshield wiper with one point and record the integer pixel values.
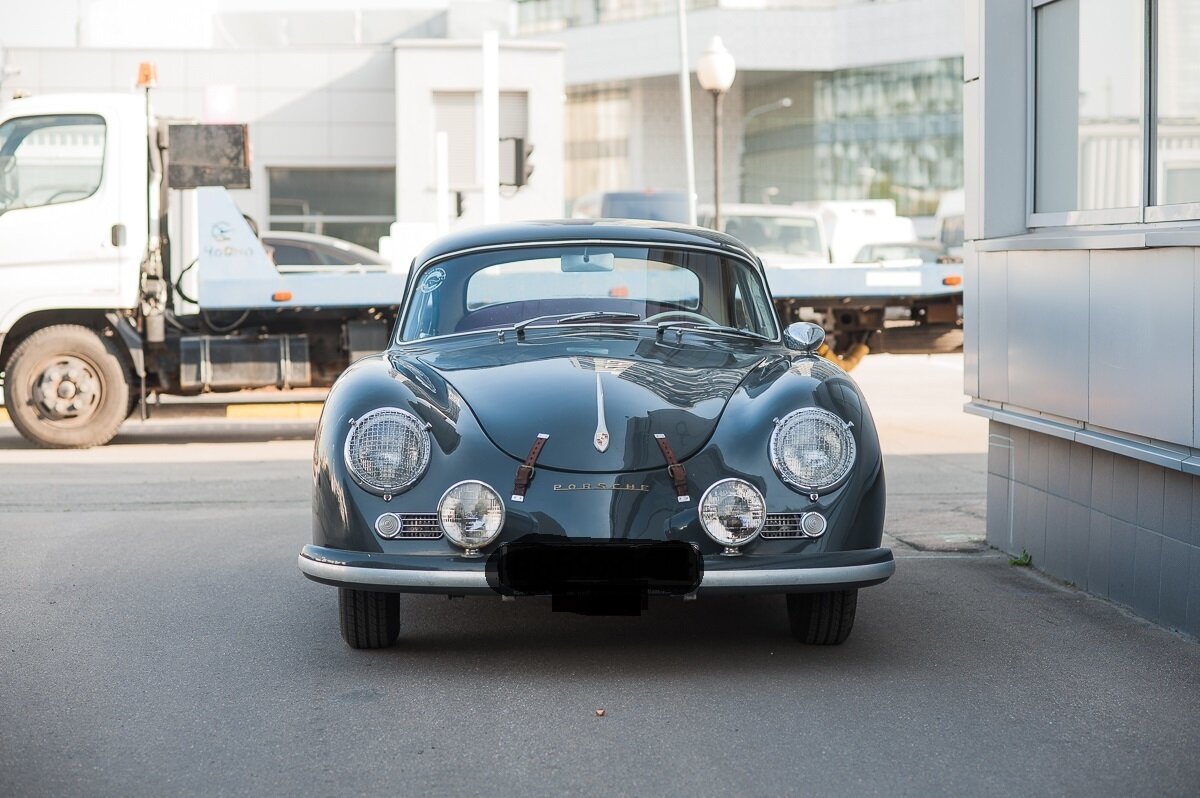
(596, 315)
(717, 329)
(571, 318)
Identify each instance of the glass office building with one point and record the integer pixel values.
(875, 93)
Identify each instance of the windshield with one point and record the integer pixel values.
(787, 235)
(601, 283)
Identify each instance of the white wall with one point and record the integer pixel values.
(305, 106)
(422, 68)
(656, 154)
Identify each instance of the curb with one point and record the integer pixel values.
(266, 411)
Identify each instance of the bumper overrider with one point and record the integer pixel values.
(674, 572)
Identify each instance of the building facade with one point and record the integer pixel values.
(1082, 300)
(875, 91)
(344, 104)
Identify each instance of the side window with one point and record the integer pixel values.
(291, 255)
(47, 160)
(333, 257)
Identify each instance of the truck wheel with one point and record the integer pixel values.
(369, 619)
(66, 387)
(822, 619)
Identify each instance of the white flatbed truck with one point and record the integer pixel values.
(127, 270)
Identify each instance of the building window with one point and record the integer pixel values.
(456, 113)
(1089, 74)
(355, 204)
(883, 132)
(1177, 123)
(597, 139)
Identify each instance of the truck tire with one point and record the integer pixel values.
(369, 619)
(822, 619)
(66, 387)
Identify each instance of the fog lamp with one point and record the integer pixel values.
(471, 515)
(732, 513)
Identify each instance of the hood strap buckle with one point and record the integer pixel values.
(676, 470)
(525, 470)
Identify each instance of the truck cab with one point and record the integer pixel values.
(73, 178)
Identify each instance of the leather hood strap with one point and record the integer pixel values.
(525, 470)
(674, 468)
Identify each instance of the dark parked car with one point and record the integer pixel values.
(600, 413)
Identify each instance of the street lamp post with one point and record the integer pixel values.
(716, 71)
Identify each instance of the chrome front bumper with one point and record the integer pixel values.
(860, 569)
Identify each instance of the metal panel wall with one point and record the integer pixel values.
(970, 320)
(1142, 326)
(1048, 331)
(993, 326)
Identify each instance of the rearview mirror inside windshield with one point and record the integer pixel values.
(588, 262)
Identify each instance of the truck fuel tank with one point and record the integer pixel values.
(231, 362)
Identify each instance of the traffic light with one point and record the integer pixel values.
(515, 167)
(524, 169)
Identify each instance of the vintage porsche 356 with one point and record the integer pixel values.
(599, 412)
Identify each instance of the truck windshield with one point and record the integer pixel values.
(786, 235)
(603, 283)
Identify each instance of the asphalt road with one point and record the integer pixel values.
(157, 639)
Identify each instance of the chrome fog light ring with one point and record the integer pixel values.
(813, 525)
(388, 525)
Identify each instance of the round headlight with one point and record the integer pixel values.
(812, 449)
(732, 512)
(471, 514)
(387, 450)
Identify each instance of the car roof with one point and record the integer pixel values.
(636, 231)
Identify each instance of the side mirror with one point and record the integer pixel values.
(804, 336)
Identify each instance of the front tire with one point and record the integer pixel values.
(369, 619)
(66, 387)
(822, 619)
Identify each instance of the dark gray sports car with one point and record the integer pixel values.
(597, 412)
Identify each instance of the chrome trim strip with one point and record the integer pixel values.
(788, 577)
(477, 579)
(392, 577)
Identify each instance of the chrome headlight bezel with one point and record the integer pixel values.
(420, 431)
(730, 542)
(836, 425)
(470, 546)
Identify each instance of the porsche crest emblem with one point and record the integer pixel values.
(600, 441)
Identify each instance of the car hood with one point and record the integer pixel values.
(562, 387)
